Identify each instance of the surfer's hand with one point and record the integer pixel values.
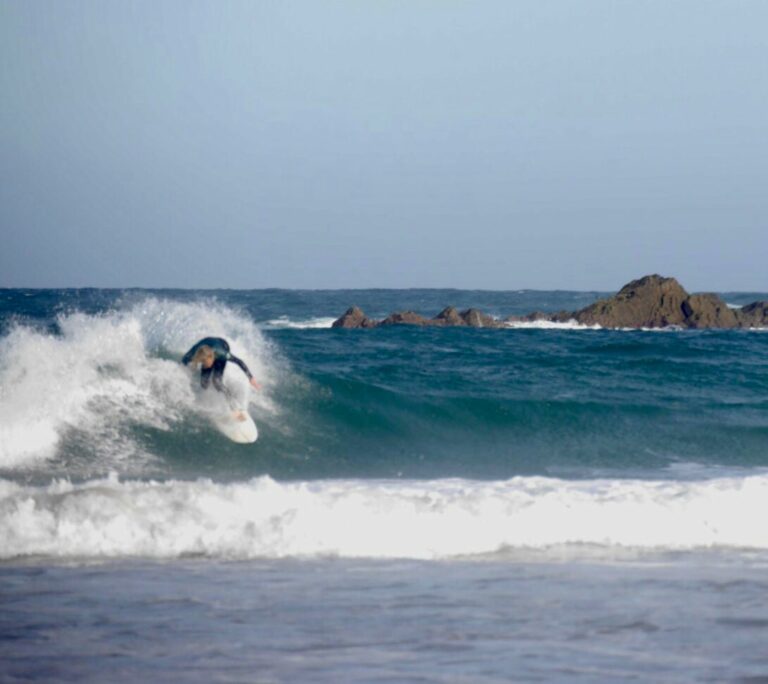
(255, 383)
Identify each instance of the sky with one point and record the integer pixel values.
(494, 144)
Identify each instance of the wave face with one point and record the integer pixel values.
(439, 519)
(90, 384)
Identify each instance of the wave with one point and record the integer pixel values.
(285, 322)
(437, 519)
(88, 383)
(572, 324)
(89, 392)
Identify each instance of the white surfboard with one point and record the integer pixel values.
(237, 426)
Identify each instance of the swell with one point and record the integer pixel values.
(331, 427)
(325, 425)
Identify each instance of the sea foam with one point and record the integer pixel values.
(315, 323)
(571, 324)
(437, 519)
(102, 373)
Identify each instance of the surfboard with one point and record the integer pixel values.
(226, 411)
(237, 426)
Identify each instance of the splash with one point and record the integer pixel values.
(100, 375)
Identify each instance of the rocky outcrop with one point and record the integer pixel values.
(354, 318)
(473, 318)
(650, 302)
(477, 319)
(657, 302)
(753, 315)
(406, 318)
(450, 316)
(708, 311)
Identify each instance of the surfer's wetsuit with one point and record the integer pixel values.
(221, 354)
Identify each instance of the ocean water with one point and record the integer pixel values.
(423, 505)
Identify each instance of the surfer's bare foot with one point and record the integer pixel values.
(240, 415)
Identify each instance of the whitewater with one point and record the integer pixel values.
(549, 502)
(359, 519)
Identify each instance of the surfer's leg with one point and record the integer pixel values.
(218, 381)
(218, 375)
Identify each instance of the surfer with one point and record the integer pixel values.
(212, 354)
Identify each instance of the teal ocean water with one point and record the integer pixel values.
(421, 505)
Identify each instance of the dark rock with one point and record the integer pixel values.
(650, 302)
(708, 311)
(477, 319)
(407, 318)
(656, 302)
(754, 315)
(447, 317)
(450, 316)
(354, 318)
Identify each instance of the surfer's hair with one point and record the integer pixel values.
(203, 352)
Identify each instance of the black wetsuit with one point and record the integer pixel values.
(221, 354)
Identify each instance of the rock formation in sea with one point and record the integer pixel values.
(649, 302)
(657, 302)
(354, 318)
(753, 315)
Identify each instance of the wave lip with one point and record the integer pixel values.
(435, 519)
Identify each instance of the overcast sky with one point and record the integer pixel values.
(373, 143)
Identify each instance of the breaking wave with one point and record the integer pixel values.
(84, 385)
(262, 518)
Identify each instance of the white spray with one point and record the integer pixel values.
(104, 372)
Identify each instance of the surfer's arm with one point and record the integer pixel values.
(245, 370)
(188, 356)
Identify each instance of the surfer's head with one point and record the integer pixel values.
(204, 356)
